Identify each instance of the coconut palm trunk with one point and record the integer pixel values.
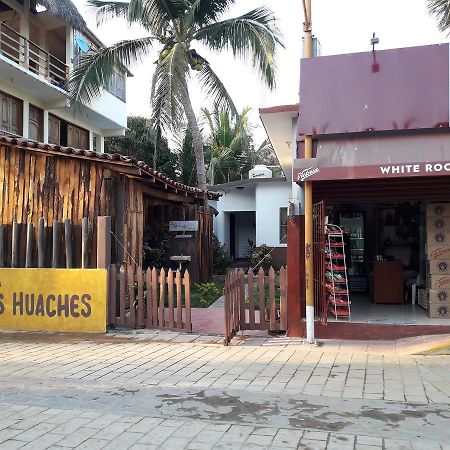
(197, 140)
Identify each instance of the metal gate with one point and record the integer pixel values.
(320, 303)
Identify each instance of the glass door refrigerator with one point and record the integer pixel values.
(353, 226)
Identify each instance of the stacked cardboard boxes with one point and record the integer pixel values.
(438, 255)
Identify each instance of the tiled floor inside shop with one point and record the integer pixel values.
(363, 310)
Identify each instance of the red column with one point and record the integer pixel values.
(296, 276)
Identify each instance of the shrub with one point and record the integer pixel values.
(209, 293)
(258, 256)
(221, 257)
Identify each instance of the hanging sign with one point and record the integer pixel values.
(183, 225)
(72, 300)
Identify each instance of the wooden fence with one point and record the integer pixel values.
(21, 245)
(151, 299)
(255, 302)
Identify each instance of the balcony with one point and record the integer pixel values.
(21, 57)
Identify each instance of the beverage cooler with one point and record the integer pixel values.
(353, 226)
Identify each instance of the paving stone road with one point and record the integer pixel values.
(118, 392)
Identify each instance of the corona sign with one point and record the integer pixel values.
(53, 300)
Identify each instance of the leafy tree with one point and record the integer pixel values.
(175, 26)
(228, 141)
(140, 143)
(441, 10)
(186, 161)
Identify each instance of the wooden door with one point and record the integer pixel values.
(11, 114)
(77, 137)
(54, 130)
(35, 125)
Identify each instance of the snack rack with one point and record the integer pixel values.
(336, 280)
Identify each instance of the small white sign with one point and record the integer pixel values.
(306, 173)
(183, 225)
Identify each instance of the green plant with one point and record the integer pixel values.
(209, 293)
(258, 256)
(155, 249)
(221, 257)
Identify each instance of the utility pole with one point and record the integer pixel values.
(309, 262)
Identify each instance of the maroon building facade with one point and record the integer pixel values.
(380, 127)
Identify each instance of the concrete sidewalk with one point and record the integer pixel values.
(157, 390)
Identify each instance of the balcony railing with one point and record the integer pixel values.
(29, 55)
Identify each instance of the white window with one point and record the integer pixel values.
(283, 225)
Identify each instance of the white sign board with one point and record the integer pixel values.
(183, 225)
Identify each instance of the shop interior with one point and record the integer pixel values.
(385, 258)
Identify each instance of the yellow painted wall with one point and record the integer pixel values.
(53, 300)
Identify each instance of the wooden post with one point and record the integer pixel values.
(84, 243)
(272, 309)
(2, 246)
(55, 244)
(295, 277)
(68, 243)
(170, 297)
(15, 245)
(251, 300)
(30, 241)
(283, 298)
(103, 242)
(187, 293)
(112, 295)
(41, 243)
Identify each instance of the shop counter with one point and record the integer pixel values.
(388, 282)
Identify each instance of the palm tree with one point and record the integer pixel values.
(175, 26)
(228, 142)
(440, 9)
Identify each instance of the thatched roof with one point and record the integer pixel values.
(65, 10)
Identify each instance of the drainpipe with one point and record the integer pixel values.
(309, 263)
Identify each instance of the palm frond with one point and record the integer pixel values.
(169, 86)
(205, 12)
(161, 14)
(253, 35)
(214, 89)
(131, 11)
(93, 70)
(441, 10)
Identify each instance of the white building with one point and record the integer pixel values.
(257, 209)
(38, 47)
(253, 210)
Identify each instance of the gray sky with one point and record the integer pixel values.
(344, 26)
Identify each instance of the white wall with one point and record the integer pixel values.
(270, 197)
(237, 199)
(266, 199)
(111, 107)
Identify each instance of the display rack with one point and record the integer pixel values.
(336, 273)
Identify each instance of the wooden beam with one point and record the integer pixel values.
(147, 190)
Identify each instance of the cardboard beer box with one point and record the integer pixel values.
(436, 311)
(439, 266)
(438, 209)
(439, 281)
(440, 252)
(440, 237)
(439, 296)
(440, 223)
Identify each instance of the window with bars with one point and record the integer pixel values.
(283, 225)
